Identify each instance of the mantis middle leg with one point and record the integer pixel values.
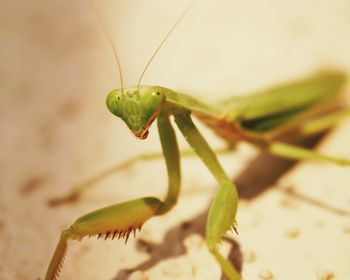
(78, 190)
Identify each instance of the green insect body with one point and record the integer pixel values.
(256, 116)
(259, 119)
(304, 107)
(275, 111)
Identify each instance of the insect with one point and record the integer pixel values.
(304, 107)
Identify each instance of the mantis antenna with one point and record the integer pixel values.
(163, 41)
(111, 44)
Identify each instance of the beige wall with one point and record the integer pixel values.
(56, 68)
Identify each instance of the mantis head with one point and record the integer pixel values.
(138, 107)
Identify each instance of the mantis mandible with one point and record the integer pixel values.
(304, 107)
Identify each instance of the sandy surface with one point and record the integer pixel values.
(56, 68)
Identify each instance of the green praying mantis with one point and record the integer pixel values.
(302, 108)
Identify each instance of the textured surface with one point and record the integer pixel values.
(56, 68)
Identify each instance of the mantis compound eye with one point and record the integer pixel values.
(151, 100)
(113, 103)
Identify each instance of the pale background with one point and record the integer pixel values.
(56, 68)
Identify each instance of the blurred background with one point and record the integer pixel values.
(57, 67)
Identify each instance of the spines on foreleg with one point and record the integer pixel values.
(222, 214)
(116, 221)
(56, 263)
(221, 219)
(119, 234)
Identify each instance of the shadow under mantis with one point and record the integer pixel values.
(262, 174)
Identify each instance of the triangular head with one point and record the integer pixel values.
(138, 107)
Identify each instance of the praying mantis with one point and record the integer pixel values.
(305, 107)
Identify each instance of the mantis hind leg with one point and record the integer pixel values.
(323, 123)
(299, 153)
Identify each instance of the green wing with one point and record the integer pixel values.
(273, 121)
(278, 106)
(267, 111)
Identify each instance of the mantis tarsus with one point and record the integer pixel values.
(303, 107)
